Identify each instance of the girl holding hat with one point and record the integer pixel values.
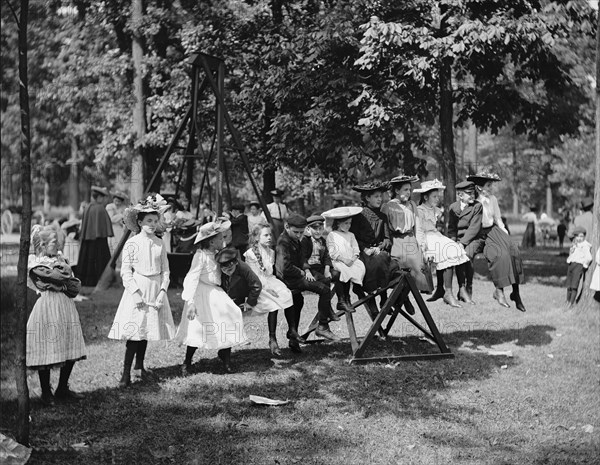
(274, 295)
(54, 336)
(344, 252)
(210, 319)
(503, 257)
(402, 218)
(144, 313)
(442, 251)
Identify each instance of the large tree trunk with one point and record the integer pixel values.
(139, 118)
(21, 291)
(447, 159)
(588, 301)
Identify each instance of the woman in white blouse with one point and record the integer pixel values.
(502, 255)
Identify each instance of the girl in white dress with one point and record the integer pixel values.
(595, 283)
(344, 251)
(144, 312)
(437, 248)
(274, 295)
(210, 319)
(54, 336)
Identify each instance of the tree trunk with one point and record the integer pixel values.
(588, 302)
(21, 291)
(139, 118)
(515, 176)
(74, 176)
(447, 159)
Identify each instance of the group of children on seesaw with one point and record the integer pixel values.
(367, 246)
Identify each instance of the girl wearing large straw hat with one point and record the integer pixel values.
(437, 248)
(402, 218)
(344, 252)
(210, 318)
(144, 313)
(502, 255)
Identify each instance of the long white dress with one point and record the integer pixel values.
(444, 251)
(267, 302)
(219, 323)
(54, 333)
(343, 245)
(145, 268)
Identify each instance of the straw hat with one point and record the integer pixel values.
(154, 203)
(403, 179)
(120, 195)
(483, 176)
(211, 229)
(427, 186)
(100, 190)
(370, 187)
(341, 213)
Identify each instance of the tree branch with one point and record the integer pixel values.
(14, 13)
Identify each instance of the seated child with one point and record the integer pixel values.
(580, 258)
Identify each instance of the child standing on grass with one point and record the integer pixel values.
(580, 257)
(344, 252)
(54, 336)
(144, 312)
(210, 318)
(274, 295)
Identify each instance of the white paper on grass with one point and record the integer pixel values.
(13, 453)
(267, 401)
(508, 353)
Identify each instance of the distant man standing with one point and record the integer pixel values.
(278, 211)
(96, 228)
(586, 218)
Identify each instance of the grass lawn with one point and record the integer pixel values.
(540, 406)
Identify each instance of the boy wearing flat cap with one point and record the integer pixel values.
(238, 280)
(464, 227)
(295, 272)
(580, 258)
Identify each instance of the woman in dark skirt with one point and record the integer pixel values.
(502, 255)
(529, 236)
(96, 228)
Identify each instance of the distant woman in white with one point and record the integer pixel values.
(441, 250)
(210, 319)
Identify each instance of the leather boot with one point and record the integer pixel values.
(437, 295)
(293, 335)
(225, 356)
(324, 332)
(499, 296)
(125, 379)
(464, 296)
(515, 296)
(408, 306)
(450, 300)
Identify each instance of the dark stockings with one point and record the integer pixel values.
(189, 354)
(272, 322)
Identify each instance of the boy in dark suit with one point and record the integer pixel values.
(464, 227)
(294, 271)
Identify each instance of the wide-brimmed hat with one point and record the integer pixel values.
(226, 255)
(190, 223)
(578, 230)
(276, 192)
(427, 186)
(120, 195)
(313, 219)
(100, 190)
(254, 203)
(371, 187)
(483, 176)
(211, 229)
(587, 202)
(154, 203)
(403, 179)
(341, 213)
(465, 186)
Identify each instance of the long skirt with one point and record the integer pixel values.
(94, 255)
(407, 253)
(54, 333)
(147, 323)
(218, 323)
(267, 302)
(595, 283)
(529, 236)
(378, 269)
(444, 251)
(504, 258)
